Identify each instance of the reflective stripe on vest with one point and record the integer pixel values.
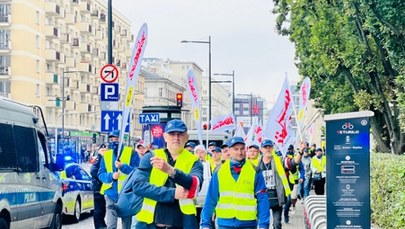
(236, 198)
(281, 173)
(319, 165)
(184, 163)
(125, 158)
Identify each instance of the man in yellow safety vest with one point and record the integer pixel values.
(168, 180)
(237, 193)
(114, 168)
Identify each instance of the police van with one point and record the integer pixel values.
(30, 190)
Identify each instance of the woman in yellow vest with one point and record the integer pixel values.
(168, 180)
(237, 193)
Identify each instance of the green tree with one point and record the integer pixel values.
(354, 53)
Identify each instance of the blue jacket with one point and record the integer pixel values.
(106, 177)
(213, 197)
(143, 188)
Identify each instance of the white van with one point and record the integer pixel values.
(30, 191)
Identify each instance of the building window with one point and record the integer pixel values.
(37, 91)
(38, 66)
(38, 19)
(160, 92)
(37, 41)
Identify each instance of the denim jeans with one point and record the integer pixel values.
(276, 216)
(307, 186)
(112, 216)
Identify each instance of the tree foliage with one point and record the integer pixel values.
(354, 53)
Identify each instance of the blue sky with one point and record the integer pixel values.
(243, 38)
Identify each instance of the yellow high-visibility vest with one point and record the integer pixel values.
(237, 198)
(125, 158)
(184, 163)
(281, 173)
(255, 162)
(293, 176)
(319, 165)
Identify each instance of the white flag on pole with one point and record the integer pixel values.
(133, 74)
(279, 125)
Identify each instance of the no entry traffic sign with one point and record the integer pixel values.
(109, 73)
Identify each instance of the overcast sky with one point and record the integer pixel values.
(243, 38)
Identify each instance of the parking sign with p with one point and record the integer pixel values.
(109, 92)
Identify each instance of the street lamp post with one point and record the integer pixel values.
(227, 81)
(209, 72)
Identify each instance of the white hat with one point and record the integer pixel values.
(199, 147)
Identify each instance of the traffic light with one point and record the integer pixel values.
(179, 99)
(57, 101)
(94, 139)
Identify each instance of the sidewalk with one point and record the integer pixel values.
(297, 219)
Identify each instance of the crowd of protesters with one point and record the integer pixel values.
(185, 185)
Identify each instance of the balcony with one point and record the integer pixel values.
(70, 105)
(85, 67)
(85, 27)
(85, 48)
(51, 78)
(84, 7)
(53, 9)
(52, 55)
(94, 90)
(83, 107)
(99, 35)
(51, 32)
(70, 62)
(65, 38)
(70, 19)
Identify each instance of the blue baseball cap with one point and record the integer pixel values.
(191, 144)
(114, 133)
(175, 125)
(217, 149)
(267, 143)
(212, 144)
(235, 140)
(253, 146)
(224, 145)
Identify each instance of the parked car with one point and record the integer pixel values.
(77, 193)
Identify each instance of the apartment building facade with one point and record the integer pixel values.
(54, 49)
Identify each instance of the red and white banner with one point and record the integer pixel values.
(223, 123)
(133, 74)
(192, 89)
(305, 90)
(279, 124)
